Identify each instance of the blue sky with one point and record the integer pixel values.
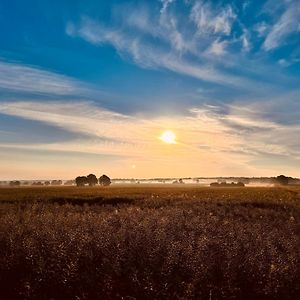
(88, 86)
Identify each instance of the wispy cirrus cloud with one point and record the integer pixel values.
(225, 130)
(18, 77)
(165, 4)
(156, 56)
(209, 43)
(287, 24)
(212, 20)
(218, 48)
(232, 101)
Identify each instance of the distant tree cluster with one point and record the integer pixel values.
(56, 182)
(284, 180)
(225, 184)
(92, 180)
(38, 183)
(180, 181)
(47, 183)
(14, 183)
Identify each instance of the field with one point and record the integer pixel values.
(149, 242)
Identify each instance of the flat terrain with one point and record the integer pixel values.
(149, 242)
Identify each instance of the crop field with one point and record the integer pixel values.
(149, 242)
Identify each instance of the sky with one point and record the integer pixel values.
(90, 86)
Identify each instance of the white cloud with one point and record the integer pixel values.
(209, 20)
(99, 34)
(283, 62)
(205, 45)
(287, 24)
(148, 55)
(141, 22)
(218, 48)
(21, 78)
(170, 33)
(236, 134)
(76, 117)
(246, 41)
(262, 29)
(231, 126)
(165, 4)
(287, 62)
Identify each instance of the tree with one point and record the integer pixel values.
(92, 179)
(282, 180)
(37, 183)
(81, 181)
(104, 180)
(56, 182)
(47, 183)
(15, 183)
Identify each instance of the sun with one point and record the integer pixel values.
(168, 137)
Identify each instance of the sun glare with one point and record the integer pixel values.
(168, 137)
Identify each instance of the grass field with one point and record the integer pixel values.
(149, 242)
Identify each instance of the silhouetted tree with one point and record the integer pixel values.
(15, 183)
(104, 180)
(37, 183)
(56, 182)
(47, 183)
(92, 179)
(244, 180)
(225, 184)
(282, 180)
(81, 181)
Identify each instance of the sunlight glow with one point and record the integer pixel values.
(168, 137)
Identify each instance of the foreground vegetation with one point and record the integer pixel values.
(149, 243)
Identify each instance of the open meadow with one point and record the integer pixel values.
(149, 242)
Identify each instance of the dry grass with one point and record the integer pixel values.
(140, 242)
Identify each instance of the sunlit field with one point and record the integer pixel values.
(149, 242)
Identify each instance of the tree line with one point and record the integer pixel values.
(92, 180)
(36, 183)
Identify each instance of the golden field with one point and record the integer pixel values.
(149, 242)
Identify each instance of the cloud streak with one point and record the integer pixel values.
(147, 55)
(225, 130)
(16, 77)
(210, 42)
(212, 21)
(288, 23)
(230, 88)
